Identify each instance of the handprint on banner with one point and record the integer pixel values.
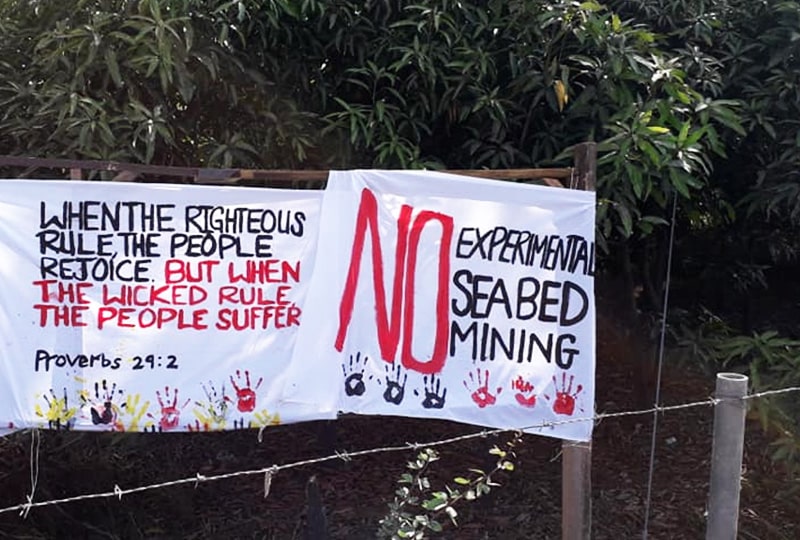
(265, 418)
(354, 375)
(565, 399)
(481, 395)
(245, 395)
(434, 393)
(58, 413)
(212, 413)
(170, 412)
(524, 394)
(395, 390)
(102, 408)
(259, 419)
(197, 426)
(132, 413)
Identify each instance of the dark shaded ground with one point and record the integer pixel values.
(527, 505)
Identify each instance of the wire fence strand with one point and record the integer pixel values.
(269, 472)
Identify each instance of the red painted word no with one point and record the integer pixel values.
(405, 264)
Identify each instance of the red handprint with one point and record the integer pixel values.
(170, 412)
(565, 399)
(197, 426)
(481, 395)
(525, 395)
(245, 396)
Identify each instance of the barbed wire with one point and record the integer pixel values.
(269, 472)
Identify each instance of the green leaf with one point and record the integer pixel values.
(616, 24)
(650, 151)
(591, 6)
(113, 66)
(655, 220)
(635, 177)
(625, 219)
(435, 526)
(679, 183)
(452, 514)
(434, 504)
(683, 133)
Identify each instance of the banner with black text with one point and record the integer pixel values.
(145, 307)
(449, 297)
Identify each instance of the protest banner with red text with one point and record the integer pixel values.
(144, 307)
(457, 298)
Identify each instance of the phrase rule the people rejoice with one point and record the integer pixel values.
(132, 264)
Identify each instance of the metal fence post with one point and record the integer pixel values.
(726, 460)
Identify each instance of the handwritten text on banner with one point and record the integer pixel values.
(151, 307)
(456, 298)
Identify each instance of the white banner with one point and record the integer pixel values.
(142, 307)
(448, 297)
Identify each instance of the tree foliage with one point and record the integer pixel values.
(144, 81)
(746, 54)
(380, 83)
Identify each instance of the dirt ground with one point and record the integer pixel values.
(527, 504)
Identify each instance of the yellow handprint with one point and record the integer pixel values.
(212, 414)
(58, 414)
(207, 422)
(135, 414)
(264, 418)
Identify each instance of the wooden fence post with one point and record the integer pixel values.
(576, 457)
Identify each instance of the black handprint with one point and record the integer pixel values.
(239, 424)
(433, 399)
(354, 377)
(103, 410)
(394, 390)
